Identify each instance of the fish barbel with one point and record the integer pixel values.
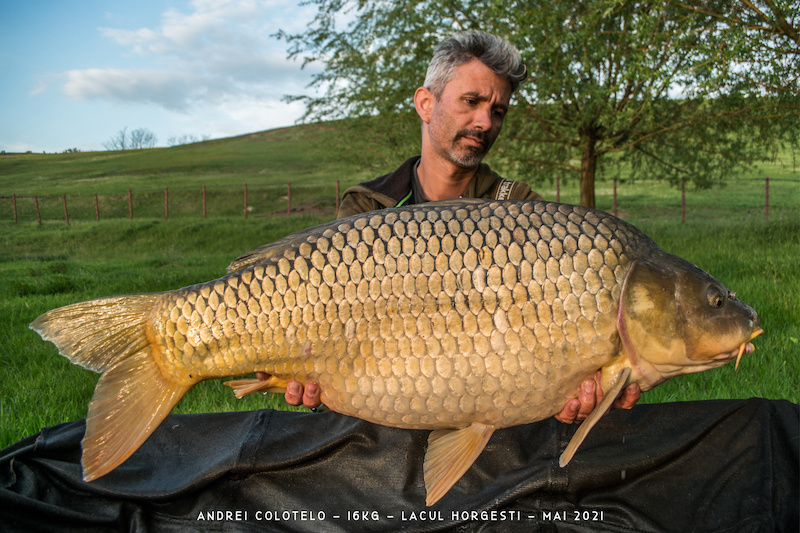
(460, 317)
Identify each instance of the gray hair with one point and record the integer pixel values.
(493, 51)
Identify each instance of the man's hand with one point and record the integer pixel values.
(590, 395)
(298, 394)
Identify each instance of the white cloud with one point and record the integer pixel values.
(40, 88)
(255, 114)
(219, 52)
(171, 90)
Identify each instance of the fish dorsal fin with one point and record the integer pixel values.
(454, 202)
(594, 416)
(276, 249)
(450, 453)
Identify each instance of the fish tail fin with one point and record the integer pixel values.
(131, 399)
(133, 395)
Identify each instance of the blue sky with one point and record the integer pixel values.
(73, 74)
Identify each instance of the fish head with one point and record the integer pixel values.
(675, 318)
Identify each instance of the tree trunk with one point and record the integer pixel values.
(588, 167)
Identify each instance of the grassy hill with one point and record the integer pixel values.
(265, 161)
(296, 154)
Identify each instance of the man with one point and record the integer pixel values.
(462, 104)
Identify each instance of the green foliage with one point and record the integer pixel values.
(672, 90)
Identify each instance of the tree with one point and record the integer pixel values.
(118, 141)
(663, 87)
(768, 57)
(142, 138)
(135, 140)
(186, 138)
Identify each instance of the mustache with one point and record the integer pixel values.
(480, 135)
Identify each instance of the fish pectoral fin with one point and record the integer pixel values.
(131, 399)
(242, 387)
(594, 417)
(450, 453)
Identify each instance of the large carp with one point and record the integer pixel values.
(459, 317)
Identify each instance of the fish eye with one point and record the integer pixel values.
(715, 296)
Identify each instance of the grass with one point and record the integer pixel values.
(49, 265)
(53, 265)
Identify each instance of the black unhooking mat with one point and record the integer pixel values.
(721, 466)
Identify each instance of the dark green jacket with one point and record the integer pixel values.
(393, 189)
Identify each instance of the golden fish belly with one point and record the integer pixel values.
(422, 318)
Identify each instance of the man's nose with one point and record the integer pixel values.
(482, 118)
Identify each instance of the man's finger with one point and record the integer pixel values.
(589, 396)
(628, 397)
(569, 412)
(294, 393)
(311, 396)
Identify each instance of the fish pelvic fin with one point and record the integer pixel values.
(133, 395)
(594, 416)
(243, 387)
(449, 455)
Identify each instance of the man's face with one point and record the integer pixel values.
(467, 117)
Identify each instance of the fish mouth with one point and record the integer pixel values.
(746, 346)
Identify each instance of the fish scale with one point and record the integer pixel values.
(460, 317)
(463, 296)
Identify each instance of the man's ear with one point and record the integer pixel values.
(423, 102)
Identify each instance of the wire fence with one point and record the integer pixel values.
(260, 201)
(221, 201)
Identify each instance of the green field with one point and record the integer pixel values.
(53, 264)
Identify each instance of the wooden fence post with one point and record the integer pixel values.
(14, 202)
(245, 199)
(130, 203)
(38, 213)
(766, 198)
(66, 213)
(96, 208)
(683, 201)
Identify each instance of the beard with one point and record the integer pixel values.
(469, 156)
